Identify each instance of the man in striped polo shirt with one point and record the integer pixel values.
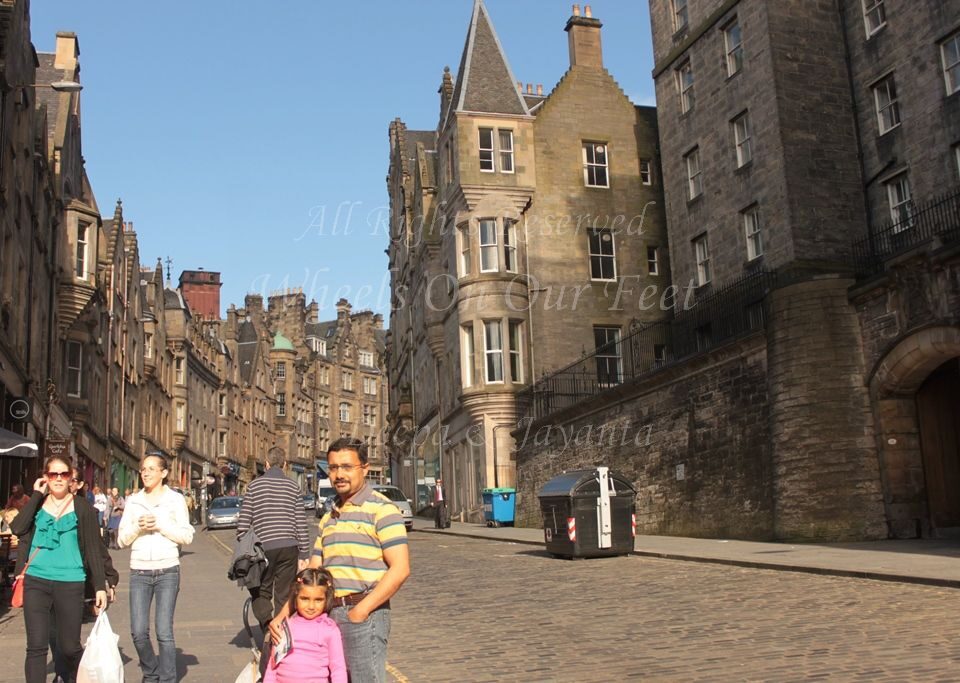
(363, 544)
(271, 501)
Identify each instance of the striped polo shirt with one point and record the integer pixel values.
(353, 537)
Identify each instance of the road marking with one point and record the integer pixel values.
(400, 678)
(222, 544)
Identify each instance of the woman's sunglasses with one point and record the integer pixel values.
(59, 475)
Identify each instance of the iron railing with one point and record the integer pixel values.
(916, 225)
(731, 312)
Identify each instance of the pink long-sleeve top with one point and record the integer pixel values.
(316, 657)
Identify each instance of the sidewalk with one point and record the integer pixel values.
(927, 562)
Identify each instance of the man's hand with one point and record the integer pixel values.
(357, 615)
(112, 595)
(101, 602)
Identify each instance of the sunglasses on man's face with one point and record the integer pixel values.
(59, 475)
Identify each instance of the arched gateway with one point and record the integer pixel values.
(916, 391)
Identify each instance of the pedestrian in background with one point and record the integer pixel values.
(154, 525)
(100, 503)
(273, 507)
(60, 538)
(18, 498)
(116, 514)
(363, 544)
(442, 520)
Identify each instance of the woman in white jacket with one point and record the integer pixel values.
(155, 524)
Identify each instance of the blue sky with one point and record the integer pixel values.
(251, 138)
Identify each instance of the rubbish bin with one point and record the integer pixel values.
(499, 506)
(588, 513)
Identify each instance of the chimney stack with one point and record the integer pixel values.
(540, 89)
(584, 37)
(529, 88)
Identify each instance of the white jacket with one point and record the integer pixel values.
(161, 548)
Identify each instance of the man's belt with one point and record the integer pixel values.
(354, 599)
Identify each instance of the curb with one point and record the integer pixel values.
(748, 564)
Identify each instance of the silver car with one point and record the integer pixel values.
(223, 512)
(401, 501)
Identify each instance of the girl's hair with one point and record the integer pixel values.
(56, 458)
(312, 577)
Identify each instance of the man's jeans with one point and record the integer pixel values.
(365, 645)
(145, 585)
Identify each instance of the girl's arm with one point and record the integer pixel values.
(129, 530)
(179, 530)
(338, 665)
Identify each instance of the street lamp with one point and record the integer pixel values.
(59, 86)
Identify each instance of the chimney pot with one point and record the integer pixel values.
(588, 11)
(529, 88)
(520, 86)
(576, 10)
(540, 89)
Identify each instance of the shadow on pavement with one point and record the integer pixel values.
(183, 661)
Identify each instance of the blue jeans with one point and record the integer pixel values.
(365, 645)
(145, 585)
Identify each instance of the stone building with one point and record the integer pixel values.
(810, 176)
(524, 230)
(31, 391)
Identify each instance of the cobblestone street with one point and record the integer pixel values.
(484, 611)
(478, 610)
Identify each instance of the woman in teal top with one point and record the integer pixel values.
(61, 532)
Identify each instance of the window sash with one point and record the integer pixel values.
(181, 417)
(506, 150)
(888, 107)
(680, 15)
(733, 39)
(488, 246)
(74, 368)
(694, 175)
(646, 172)
(516, 354)
(950, 52)
(81, 264)
(344, 412)
(874, 16)
(464, 251)
(741, 134)
(487, 163)
(653, 261)
(493, 352)
(702, 250)
(178, 365)
(603, 257)
(366, 358)
(281, 370)
(281, 404)
(347, 381)
(468, 362)
(685, 86)
(751, 227)
(509, 245)
(608, 356)
(900, 197)
(595, 164)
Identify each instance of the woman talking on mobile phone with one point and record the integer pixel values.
(155, 524)
(59, 533)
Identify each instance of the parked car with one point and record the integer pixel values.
(401, 501)
(223, 512)
(309, 501)
(325, 497)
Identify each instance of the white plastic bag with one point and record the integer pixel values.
(101, 662)
(251, 672)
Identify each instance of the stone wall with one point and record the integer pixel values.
(693, 440)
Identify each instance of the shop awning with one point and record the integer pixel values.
(16, 446)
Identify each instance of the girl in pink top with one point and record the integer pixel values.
(316, 652)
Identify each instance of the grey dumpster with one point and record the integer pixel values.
(588, 513)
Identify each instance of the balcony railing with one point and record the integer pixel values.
(732, 312)
(938, 218)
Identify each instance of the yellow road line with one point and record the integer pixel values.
(400, 678)
(222, 544)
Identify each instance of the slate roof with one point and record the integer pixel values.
(46, 73)
(485, 82)
(247, 342)
(172, 299)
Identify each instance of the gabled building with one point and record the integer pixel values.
(524, 230)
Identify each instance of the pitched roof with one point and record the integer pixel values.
(485, 82)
